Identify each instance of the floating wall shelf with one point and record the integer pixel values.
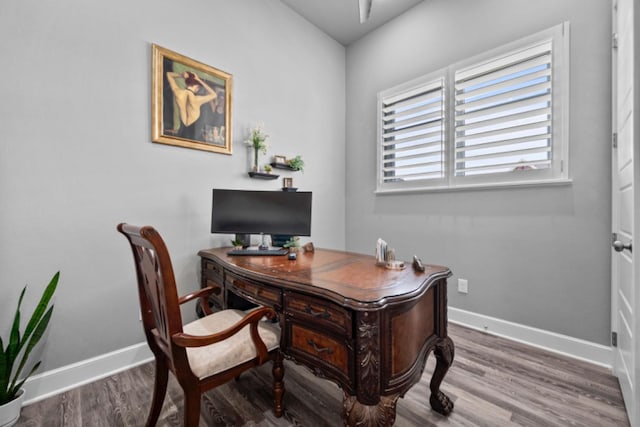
(262, 175)
(282, 166)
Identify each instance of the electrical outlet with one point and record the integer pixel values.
(463, 286)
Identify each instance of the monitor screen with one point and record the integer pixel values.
(255, 212)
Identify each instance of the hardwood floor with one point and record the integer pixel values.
(493, 382)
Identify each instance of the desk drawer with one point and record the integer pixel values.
(217, 299)
(320, 348)
(319, 312)
(211, 270)
(257, 292)
(212, 274)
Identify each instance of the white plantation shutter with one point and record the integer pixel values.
(503, 113)
(499, 118)
(412, 133)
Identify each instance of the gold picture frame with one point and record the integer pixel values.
(191, 103)
(281, 160)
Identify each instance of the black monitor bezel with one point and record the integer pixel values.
(289, 209)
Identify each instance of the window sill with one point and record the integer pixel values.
(480, 186)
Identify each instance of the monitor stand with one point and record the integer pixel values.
(258, 252)
(244, 239)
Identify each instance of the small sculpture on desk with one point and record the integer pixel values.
(383, 252)
(308, 247)
(263, 242)
(387, 256)
(417, 264)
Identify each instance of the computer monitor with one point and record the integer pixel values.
(261, 212)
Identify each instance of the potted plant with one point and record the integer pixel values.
(17, 349)
(268, 168)
(293, 244)
(297, 164)
(237, 243)
(258, 142)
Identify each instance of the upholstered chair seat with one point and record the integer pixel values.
(237, 349)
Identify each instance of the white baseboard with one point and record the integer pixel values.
(67, 377)
(573, 347)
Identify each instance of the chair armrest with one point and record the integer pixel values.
(252, 318)
(203, 294)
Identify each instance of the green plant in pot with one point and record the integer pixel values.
(258, 142)
(297, 164)
(293, 244)
(15, 354)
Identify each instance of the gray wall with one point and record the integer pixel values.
(76, 156)
(534, 256)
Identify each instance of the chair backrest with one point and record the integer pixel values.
(159, 304)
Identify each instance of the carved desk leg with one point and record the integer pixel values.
(368, 408)
(383, 414)
(444, 353)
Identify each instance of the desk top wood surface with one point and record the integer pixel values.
(348, 278)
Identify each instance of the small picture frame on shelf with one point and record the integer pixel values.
(280, 160)
(287, 185)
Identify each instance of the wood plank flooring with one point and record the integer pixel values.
(493, 382)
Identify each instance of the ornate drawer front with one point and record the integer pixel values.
(211, 270)
(213, 283)
(218, 299)
(320, 348)
(318, 312)
(212, 274)
(262, 294)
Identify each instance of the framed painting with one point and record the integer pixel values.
(191, 103)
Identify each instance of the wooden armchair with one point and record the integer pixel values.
(206, 352)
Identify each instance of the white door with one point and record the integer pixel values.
(625, 297)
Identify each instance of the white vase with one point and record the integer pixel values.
(10, 412)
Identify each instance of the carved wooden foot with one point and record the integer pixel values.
(383, 414)
(444, 353)
(441, 403)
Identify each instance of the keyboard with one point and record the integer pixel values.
(255, 252)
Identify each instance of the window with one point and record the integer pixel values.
(501, 121)
(412, 121)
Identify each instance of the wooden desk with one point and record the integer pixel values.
(368, 328)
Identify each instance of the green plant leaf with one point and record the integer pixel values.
(41, 307)
(13, 346)
(31, 343)
(14, 336)
(297, 163)
(4, 375)
(35, 329)
(293, 242)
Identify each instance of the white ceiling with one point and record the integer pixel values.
(340, 19)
